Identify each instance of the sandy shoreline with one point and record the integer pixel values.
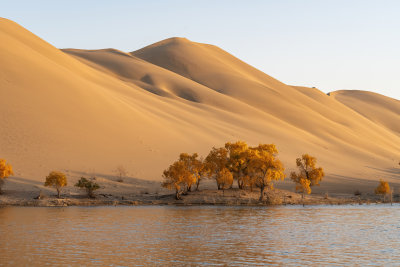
(131, 191)
(232, 197)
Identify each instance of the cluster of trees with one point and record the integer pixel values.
(249, 166)
(58, 180)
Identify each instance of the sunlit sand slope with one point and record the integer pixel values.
(87, 111)
(380, 109)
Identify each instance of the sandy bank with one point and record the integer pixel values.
(232, 197)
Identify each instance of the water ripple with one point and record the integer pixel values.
(181, 236)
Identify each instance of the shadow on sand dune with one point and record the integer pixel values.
(394, 173)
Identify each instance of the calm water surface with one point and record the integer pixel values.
(181, 236)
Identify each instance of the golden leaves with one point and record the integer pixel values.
(383, 188)
(5, 169)
(224, 178)
(56, 179)
(250, 166)
(184, 172)
(308, 175)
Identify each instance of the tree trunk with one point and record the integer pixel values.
(197, 184)
(241, 184)
(302, 198)
(262, 192)
(177, 195)
(58, 192)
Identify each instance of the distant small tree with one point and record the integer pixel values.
(121, 172)
(308, 175)
(383, 189)
(57, 180)
(89, 185)
(5, 171)
(224, 179)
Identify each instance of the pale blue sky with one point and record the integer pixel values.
(338, 44)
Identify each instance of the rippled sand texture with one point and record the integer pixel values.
(180, 236)
(87, 111)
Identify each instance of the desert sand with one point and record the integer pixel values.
(84, 112)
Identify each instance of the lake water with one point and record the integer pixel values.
(182, 236)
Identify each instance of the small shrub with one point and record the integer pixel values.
(357, 193)
(121, 173)
(89, 185)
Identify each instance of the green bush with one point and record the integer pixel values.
(89, 185)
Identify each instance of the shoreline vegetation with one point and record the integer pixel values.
(255, 170)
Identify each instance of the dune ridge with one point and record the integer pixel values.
(86, 111)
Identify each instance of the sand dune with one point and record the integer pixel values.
(85, 111)
(380, 109)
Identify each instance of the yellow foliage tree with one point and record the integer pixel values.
(224, 179)
(238, 161)
(216, 161)
(173, 178)
(308, 176)
(5, 171)
(303, 186)
(57, 180)
(202, 171)
(195, 167)
(383, 189)
(264, 167)
(249, 181)
(183, 173)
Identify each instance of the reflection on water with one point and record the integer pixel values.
(318, 235)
